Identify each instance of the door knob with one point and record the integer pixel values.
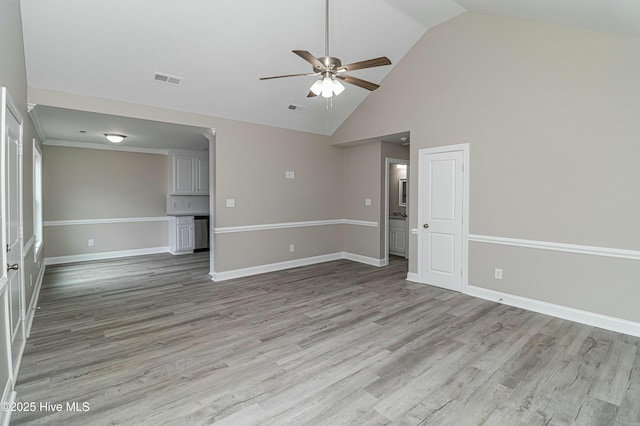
(12, 267)
(426, 225)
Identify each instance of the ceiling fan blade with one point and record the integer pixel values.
(358, 82)
(311, 94)
(290, 75)
(369, 63)
(309, 58)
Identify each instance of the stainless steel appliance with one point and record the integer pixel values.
(201, 233)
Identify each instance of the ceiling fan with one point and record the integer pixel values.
(331, 69)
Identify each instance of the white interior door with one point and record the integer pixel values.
(12, 141)
(440, 218)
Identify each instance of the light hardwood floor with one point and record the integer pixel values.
(151, 341)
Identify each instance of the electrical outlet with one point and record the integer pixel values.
(91, 242)
(367, 201)
(498, 274)
(292, 248)
(231, 202)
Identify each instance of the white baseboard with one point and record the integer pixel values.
(104, 255)
(364, 259)
(272, 267)
(413, 277)
(279, 266)
(33, 304)
(8, 396)
(559, 311)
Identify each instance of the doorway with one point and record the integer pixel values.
(443, 200)
(396, 211)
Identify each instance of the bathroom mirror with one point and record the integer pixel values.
(402, 192)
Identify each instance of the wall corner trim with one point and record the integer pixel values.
(576, 315)
(8, 397)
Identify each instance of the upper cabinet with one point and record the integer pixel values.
(188, 174)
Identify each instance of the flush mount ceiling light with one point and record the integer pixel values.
(330, 69)
(114, 137)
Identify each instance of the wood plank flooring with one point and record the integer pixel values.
(152, 341)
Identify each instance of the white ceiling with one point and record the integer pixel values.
(82, 128)
(111, 48)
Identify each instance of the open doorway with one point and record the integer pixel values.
(396, 202)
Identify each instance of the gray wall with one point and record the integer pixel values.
(90, 184)
(250, 168)
(251, 161)
(13, 76)
(551, 115)
(361, 180)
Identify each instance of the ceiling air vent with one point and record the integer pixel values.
(166, 78)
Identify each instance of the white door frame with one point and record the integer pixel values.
(17, 336)
(7, 106)
(464, 147)
(385, 230)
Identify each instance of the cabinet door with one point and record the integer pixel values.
(392, 239)
(185, 237)
(401, 240)
(202, 175)
(183, 174)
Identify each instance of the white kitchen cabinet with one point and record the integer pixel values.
(188, 174)
(397, 236)
(181, 234)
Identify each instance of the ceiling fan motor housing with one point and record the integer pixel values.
(330, 64)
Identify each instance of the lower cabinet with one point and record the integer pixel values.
(181, 234)
(397, 237)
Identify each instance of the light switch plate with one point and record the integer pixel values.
(231, 202)
(367, 201)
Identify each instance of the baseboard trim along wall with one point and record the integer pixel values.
(364, 259)
(547, 245)
(280, 266)
(559, 311)
(104, 221)
(104, 255)
(285, 225)
(33, 304)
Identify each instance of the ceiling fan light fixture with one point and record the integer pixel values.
(114, 137)
(317, 87)
(327, 87)
(337, 87)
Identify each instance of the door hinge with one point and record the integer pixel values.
(20, 148)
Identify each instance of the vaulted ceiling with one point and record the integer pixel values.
(220, 48)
